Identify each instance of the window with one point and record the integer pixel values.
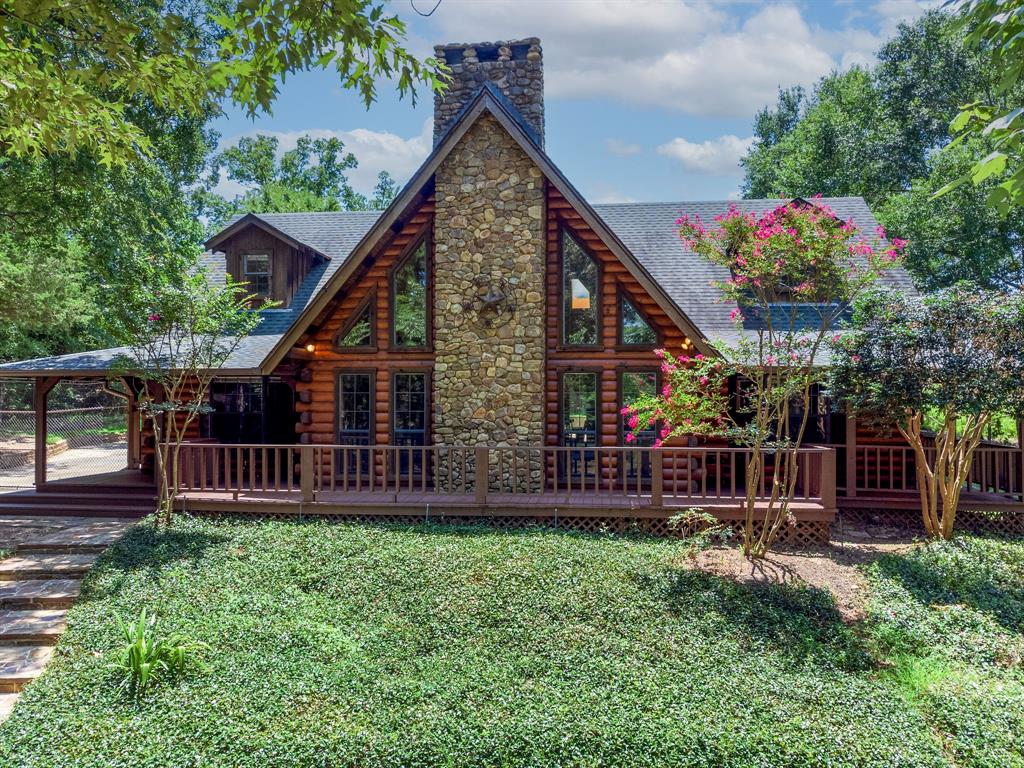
(579, 408)
(236, 414)
(634, 331)
(579, 294)
(355, 408)
(357, 333)
(256, 272)
(632, 385)
(409, 300)
(409, 409)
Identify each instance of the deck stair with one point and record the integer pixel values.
(82, 500)
(38, 584)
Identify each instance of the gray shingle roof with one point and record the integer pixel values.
(648, 230)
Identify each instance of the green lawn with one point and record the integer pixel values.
(429, 646)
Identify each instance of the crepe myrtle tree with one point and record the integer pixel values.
(178, 328)
(951, 360)
(795, 270)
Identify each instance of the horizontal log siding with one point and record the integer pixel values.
(317, 397)
(609, 359)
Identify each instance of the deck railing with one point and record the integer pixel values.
(891, 469)
(659, 476)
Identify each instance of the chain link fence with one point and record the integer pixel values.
(86, 432)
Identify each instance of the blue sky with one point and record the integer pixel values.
(645, 99)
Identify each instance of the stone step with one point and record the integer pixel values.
(36, 627)
(7, 704)
(43, 566)
(85, 539)
(20, 665)
(39, 593)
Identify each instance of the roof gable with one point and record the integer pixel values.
(488, 100)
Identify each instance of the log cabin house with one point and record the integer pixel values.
(489, 318)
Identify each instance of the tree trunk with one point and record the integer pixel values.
(940, 483)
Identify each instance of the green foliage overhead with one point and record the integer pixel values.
(956, 236)
(73, 75)
(439, 646)
(996, 30)
(310, 177)
(71, 225)
(874, 133)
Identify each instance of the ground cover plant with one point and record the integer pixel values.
(336, 645)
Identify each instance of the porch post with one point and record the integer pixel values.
(851, 455)
(134, 431)
(39, 392)
(828, 478)
(481, 473)
(657, 477)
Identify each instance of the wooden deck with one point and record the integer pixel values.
(405, 503)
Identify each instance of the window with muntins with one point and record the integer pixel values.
(634, 331)
(409, 409)
(355, 408)
(256, 272)
(409, 300)
(579, 408)
(580, 305)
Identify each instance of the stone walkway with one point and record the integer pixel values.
(39, 581)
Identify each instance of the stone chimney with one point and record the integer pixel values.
(515, 67)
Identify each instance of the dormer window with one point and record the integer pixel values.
(580, 300)
(256, 272)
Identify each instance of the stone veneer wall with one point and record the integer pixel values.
(515, 67)
(488, 234)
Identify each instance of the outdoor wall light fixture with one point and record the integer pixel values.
(311, 347)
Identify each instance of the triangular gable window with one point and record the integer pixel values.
(634, 330)
(357, 333)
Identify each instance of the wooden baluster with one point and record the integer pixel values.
(703, 473)
(689, 474)
(732, 474)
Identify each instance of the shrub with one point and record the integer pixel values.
(146, 658)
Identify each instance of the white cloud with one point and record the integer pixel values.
(853, 45)
(623, 148)
(690, 55)
(376, 151)
(714, 157)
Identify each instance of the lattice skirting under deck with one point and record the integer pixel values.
(804, 533)
(1008, 523)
